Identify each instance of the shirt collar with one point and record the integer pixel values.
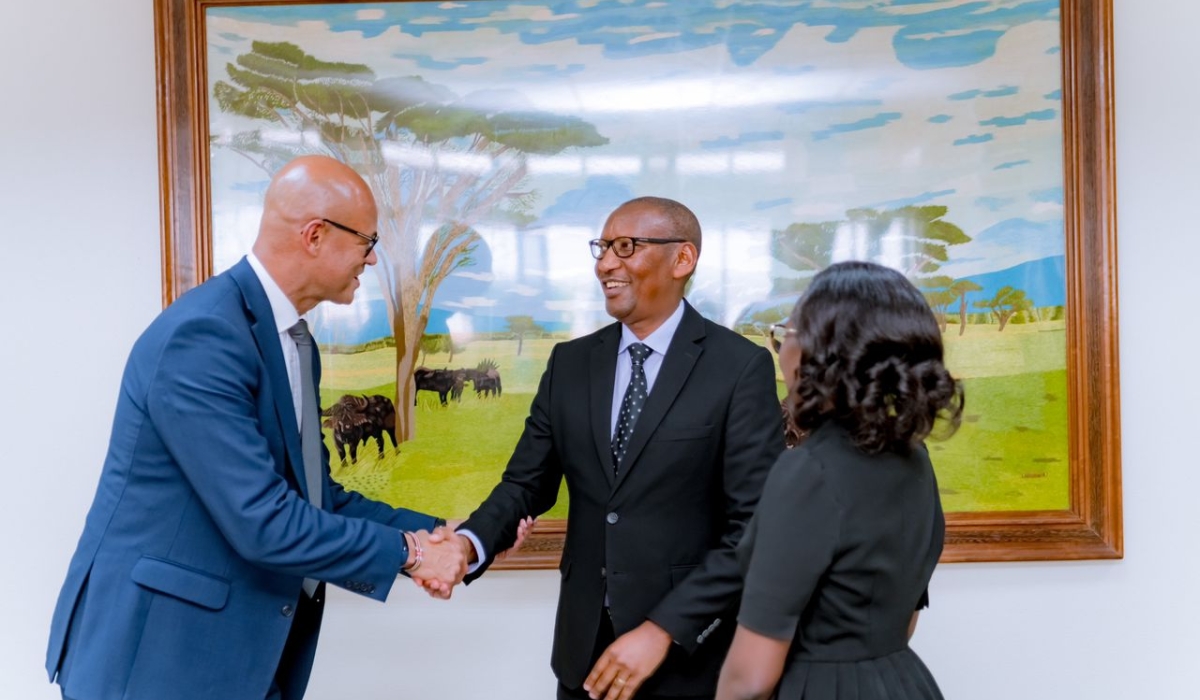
(660, 339)
(282, 308)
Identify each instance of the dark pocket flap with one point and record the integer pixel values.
(179, 581)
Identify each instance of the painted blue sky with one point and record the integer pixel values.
(757, 115)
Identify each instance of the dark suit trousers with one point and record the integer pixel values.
(605, 637)
(308, 617)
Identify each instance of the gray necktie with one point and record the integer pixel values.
(631, 405)
(310, 424)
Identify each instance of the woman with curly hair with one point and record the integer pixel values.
(838, 556)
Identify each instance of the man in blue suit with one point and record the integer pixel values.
(197, 572)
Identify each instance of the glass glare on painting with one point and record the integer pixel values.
(497, 136)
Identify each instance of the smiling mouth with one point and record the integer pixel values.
(613, 284)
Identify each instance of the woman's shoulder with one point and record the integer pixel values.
(801, 468)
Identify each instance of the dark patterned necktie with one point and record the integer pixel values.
(310, 424)
(631, 405)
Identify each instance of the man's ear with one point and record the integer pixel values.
(311, 236)
(685, 261)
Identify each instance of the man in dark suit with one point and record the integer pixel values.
(661, 483)
(198, 574)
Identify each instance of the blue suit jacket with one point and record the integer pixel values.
(188, 573)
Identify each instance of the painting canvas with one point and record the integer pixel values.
(925, 135)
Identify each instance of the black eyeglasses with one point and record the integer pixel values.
(371, 240)
(625, 246)
(779, 333)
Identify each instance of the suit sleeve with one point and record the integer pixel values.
(201, 401)
(530, 482)
(753, 440)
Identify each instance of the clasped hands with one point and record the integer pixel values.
(446, 555)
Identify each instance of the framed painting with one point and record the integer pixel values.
(969, 144)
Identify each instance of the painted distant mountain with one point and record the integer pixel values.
(1044, 281)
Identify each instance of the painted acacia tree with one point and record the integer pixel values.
(438, 164)
(521, 326)
(1007, 303)
(430, 345)
(960, 289)
(914, 239)
(939, 300)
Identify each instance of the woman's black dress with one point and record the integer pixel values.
(837, 558)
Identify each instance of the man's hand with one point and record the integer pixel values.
(446, 535)
(523, 530)
(443, 563)
(628, 662)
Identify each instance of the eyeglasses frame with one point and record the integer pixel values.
(371, 240)
(776, 342)
(605, 245)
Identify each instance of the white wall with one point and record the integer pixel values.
(79, 240)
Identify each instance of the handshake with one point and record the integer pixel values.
(438, 560)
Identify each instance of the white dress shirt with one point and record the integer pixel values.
(286, 316)
(658, 341)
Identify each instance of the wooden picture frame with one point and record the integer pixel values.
(1091, 528)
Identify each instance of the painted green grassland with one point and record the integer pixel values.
(461, 449)
(1009, 454)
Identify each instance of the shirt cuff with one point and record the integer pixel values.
(481, 556)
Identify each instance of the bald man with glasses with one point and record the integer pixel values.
(201, 570)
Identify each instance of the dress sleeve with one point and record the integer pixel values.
(924, 600)
(790, 545)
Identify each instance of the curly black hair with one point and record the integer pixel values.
(871, 359)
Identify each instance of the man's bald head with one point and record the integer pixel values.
(310, 259)
(314, 187)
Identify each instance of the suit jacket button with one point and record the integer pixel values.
(287, 610)
(603, 572)
(612, 518)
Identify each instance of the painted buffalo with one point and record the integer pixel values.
(487, 382)
(440, 381)
(357, 419)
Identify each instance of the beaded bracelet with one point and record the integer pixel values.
(414, 546)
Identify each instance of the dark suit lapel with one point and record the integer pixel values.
(603, 372)
(681, 357)
(266, 335)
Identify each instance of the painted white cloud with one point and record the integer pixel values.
(524, 290)
(657, 124)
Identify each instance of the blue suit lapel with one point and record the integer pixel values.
(266, 336)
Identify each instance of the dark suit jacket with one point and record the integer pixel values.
(187, 576)
(659, 538)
